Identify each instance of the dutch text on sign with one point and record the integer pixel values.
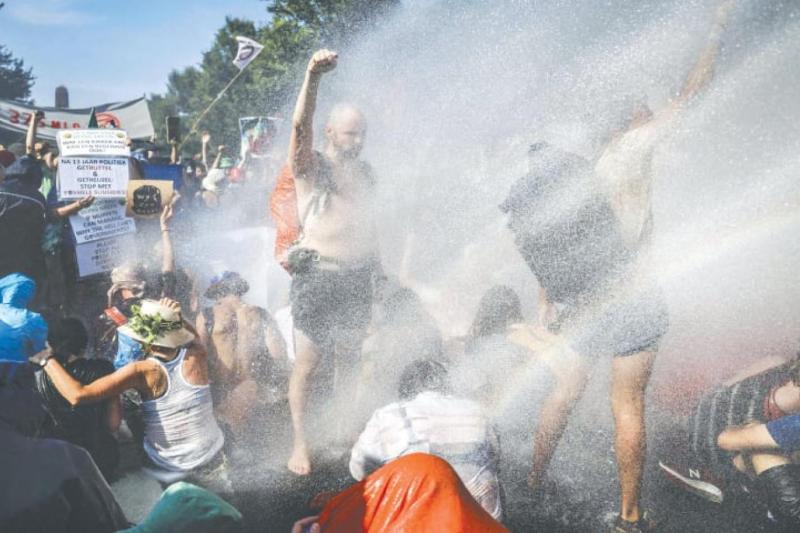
(97, 257)
(101, 220)
(101, 177)
(93, 143)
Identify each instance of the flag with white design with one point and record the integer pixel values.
(248, 50)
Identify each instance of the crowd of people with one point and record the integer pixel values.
(196, 377)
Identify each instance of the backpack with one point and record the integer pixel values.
(283, 208)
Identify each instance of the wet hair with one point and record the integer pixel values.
(226, 284)
(67, 337)
(423, 375)
(499, 308)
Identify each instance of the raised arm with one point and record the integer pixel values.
(168, 255)
(301, 149)
(703, 71)
(206, 138)
(218, 158)
(30, 138)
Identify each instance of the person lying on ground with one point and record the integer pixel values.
(181, 437)
(336, 259)
(246, 353)
(91, 427)
(430, 419)
(751, 426)
(416, 492)
(23, 333)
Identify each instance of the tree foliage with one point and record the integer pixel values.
(15, 80)
(296, 28)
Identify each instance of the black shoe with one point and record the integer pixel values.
(645, 524)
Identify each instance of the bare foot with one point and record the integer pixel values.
(299, 463)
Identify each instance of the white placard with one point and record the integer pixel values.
(101, 177)
(101, 220)
(101, 256)
(93, 142)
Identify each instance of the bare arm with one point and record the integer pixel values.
(30, 138)
(218, 158)
(173, 152)
(70, 209)
(168, 255)
(114, 414)
(301, 149)
(703, 71)
(204, 150)
(275, 341)
(128, 377)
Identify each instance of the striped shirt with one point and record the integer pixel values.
(452, 428)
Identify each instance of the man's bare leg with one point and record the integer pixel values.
(307, 358)
(630, 375)
(571, 373)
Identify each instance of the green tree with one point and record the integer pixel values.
(296, 28)
(15, 80)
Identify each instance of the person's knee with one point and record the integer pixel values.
(727, 442)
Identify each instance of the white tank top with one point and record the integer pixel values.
(180, 431)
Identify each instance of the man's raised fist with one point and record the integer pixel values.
(322, 61)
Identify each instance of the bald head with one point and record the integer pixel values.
(346, 130)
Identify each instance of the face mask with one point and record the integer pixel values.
(128, 351)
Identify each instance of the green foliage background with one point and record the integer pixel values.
(295, 30)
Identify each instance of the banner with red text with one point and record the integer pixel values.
(133, 116)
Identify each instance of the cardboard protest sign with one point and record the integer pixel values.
(101, 177)
(146, 198)
(257, 135)
(97, 257)
(133, 117)
(93, 142)
(101, 220)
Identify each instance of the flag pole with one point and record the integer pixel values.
(193, 130)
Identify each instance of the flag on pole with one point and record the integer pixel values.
(248, 50)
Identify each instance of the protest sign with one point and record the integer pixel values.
(257, 134)
(163, 171)
(101, 177)
(146, 198)
(101, 220)
(132, 116)
(93, 142)
(97, 257)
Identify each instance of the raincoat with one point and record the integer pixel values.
(22, 332)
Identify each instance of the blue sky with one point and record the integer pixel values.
(113, 50)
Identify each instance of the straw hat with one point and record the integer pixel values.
(157, 325)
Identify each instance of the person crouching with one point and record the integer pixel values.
(182, 439)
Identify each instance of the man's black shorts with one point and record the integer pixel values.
(330, 306)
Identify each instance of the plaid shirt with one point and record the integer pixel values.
(454, 429)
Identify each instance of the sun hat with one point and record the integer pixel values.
(154, 324)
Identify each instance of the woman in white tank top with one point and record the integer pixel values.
(181, 434)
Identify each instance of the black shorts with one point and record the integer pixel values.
(617, 325)
(330, 306)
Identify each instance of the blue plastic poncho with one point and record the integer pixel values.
(22, 332)
(128, 351)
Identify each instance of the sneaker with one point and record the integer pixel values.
(698, 481)
(645, 524)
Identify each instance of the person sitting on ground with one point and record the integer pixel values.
(47, 485)
(22, 332)
(430, 419)
(181, 437)
(750, 425)
(247, 355)
(89, 426)
(417, 492)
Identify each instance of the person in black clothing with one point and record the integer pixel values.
(22, 220)
(88, 426)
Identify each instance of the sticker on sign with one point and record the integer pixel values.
(101, 220)
(93, 142)
(101, 177)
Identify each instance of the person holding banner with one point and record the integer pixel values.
(334, 261)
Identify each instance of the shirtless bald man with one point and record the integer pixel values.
(334, 260)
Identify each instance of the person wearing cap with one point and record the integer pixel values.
(182, 440)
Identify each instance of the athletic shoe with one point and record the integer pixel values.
(645, 524)
(698, 481)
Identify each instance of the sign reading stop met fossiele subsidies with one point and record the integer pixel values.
(101, 177)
